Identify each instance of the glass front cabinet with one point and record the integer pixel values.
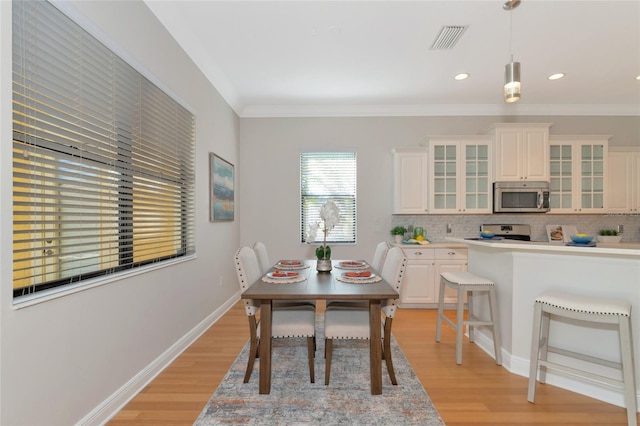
(578, 172)
(460, 182)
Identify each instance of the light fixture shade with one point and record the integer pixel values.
(512, 82)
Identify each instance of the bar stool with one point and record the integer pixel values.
(467, 283)
(589, 309)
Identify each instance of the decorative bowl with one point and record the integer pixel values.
(581, 239)
(487, 234)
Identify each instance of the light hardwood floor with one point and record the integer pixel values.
(474, 393)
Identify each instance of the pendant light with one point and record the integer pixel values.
(512, 69)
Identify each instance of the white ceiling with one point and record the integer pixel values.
(374, 58)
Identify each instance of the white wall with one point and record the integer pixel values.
(74, 357)
(270, 150)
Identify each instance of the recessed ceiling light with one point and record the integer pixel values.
(461, 76)
(556, 76)
(638, 77)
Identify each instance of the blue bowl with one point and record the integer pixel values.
(580, 239)
(487, 234)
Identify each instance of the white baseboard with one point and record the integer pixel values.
(112, 405)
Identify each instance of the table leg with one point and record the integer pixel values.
(265, 346)
(375, 347)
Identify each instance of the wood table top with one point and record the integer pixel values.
(321, 285)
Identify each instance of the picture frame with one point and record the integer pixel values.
(555, 233)
(560, 233)
(221, 189)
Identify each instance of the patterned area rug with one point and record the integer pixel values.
(347, 400)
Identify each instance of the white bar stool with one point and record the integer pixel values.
(590, 309)
(468, 283)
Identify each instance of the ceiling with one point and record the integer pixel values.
(375, 58)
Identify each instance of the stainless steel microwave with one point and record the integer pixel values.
(521, 197)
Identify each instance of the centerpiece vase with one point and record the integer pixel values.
(323, 265)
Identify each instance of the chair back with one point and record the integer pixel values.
(248, 271)
(379, 256)
(263, 256)
(393, 273)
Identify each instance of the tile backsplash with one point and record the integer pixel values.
(469, 225)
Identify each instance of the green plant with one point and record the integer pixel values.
(398, 230)
(608, 232)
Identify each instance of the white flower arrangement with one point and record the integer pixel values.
(330, 215)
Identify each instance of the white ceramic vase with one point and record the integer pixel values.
(323, 265)
(609, 238)
(398, 239)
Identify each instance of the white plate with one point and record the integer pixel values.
(290, 275)
(352, 264)
(344, 275)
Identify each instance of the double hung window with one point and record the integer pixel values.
(328, 176)
(103, 160)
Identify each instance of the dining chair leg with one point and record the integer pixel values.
(253, 348)
(311, 352)
(386, 350)
(328, 349)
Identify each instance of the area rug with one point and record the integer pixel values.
(293, 400)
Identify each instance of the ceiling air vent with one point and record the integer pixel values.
(448, 37)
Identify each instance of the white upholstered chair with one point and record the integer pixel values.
(287, 321)
(263, 256)
(352, 322)
(380, 255)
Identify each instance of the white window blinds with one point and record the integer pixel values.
(328, 176)
(103, 160)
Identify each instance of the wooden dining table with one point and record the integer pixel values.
(321, 286)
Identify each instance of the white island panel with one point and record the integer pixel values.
(522, 271)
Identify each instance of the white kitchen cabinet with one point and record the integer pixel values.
(410, 170)
(460, 180)
(421, 282)
(578, 173)
(417, 285)
(521, 151)
(623, 181)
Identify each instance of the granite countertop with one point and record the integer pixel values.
(627, 249)
(435, 244)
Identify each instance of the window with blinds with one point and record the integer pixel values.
(328, 176)
(103, 160)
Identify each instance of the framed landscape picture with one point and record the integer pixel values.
(221, 188)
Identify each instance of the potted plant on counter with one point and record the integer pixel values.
(609, 236)
(398, 233)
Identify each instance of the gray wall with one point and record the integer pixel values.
(80, 356)
(269, 177)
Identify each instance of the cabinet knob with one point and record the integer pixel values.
(418, 253)
(451, 253)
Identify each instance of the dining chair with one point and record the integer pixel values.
(380, 255)
(352, 322)
(287, 321)
(263, 256)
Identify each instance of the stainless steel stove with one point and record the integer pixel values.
(519, 232)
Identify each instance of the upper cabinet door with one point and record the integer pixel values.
(578, 174)
(521, 152)
(411, 176)
(623, 182)
(460, 180)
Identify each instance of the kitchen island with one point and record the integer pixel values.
(524, 270)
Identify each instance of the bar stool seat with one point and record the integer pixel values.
(467, 283)
(589, 309)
